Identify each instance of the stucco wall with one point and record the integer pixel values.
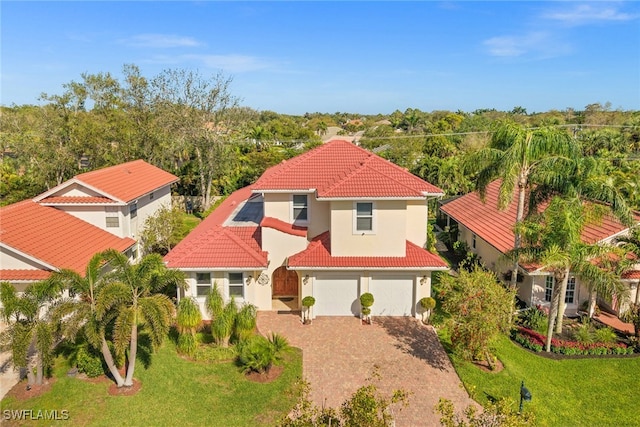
(75, 190)
(10, 260)
(390, 230)
(417, 217)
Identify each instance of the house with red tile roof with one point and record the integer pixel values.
(332, 223)
(65, 226)
(488, 233)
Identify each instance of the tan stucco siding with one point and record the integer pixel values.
(320, 215)
(417, 217)
(489, 255)
(10, 260)
(388, 238)
(278, 205)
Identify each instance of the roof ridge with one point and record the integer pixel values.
(285, 165)
(341, 179)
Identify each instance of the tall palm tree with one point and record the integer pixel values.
(34, 324)
(130, 296)
(586, 178)
(516, 155)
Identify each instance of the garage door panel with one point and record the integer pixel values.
(393, 295)
(336, 296)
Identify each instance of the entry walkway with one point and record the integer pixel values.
(339, 354)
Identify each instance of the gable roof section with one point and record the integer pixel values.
(318, 256)
(54, 237)
(339, 169)
(124, 183)
(210, 245)
(496, 227)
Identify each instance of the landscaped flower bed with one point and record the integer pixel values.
(536, 342)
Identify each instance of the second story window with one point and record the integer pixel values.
(364, 217)
(300, 208)
(133, 210)
(113, 219)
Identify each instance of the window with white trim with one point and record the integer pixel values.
(203, 284)
(364, 217)
(300, 208)
(571, 290)
(548, 288)
(236, 285)
(112, 217)
(133, 210)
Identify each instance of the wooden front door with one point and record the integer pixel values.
(285, 282)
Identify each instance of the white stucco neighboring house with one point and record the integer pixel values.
(488, 233)
(332, 223)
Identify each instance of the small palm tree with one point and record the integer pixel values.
(188, 319)
(35, 320)
(129, 298)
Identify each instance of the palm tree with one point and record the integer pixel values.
(129, 297)
(34, 321)
(553, 240)
(516, 156)
(586, 178)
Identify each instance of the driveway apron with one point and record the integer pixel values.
(340, 354)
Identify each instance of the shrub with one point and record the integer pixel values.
(535, 341)
(89, 363)
(258, 354)
(245, 322)
(427, 303)
(366, 299)
(187, 344)
(533, 318)
(605, 335)
(308, 301)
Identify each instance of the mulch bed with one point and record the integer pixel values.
(266, 377)
(20, 392)
(114, 390)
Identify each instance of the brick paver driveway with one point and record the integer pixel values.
(339, 354)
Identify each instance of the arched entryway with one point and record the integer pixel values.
(285, 283)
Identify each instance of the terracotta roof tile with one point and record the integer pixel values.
(210, 245)
(128, 181)
(496, 226)
(24, 275)
(318, 255)
(279, 225)
(53, 236)
(75, 200)
(633, 274)
(339, 169)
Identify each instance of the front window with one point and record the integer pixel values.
(548, 288)
(203, 284)
(236, 285)
(300, 208)
(364, 216)
(571, 290)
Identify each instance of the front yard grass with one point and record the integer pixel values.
(174, 392)
(579, 392)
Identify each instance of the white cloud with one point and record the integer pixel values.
(590, 13)
(511, 46)
(232, 63)
(161, 41)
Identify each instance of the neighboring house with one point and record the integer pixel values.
(488, 232)
(332, 223)
(65, 226)
(117, 199)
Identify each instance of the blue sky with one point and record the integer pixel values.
(365, 57)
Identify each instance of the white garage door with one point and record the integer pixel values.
(393, 296)
(336, 295)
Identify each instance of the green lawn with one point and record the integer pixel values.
(175, 392)
(189, 222)
(575, 392)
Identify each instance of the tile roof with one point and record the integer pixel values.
(279, 225)
(632, 274)
(127, 181)
(210, 245)
(75, 200)
(339, 169)
(18, 275)
(496, 226)
(318, 255)
(54, 237)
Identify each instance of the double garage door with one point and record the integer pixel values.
(338, 295)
